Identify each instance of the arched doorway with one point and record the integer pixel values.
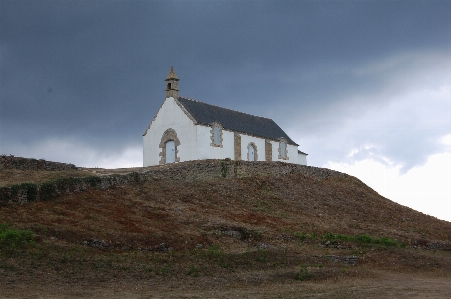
(252, 152)
(169, 146)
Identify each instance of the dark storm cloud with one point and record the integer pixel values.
(94, 70)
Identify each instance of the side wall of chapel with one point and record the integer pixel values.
(194, 142)
(206, 150)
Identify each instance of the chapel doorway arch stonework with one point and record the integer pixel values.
(169, 135)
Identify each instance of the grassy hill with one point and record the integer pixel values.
(229, 237)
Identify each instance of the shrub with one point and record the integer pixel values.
(93, 181)
(63, 184)
(48, 191)
(223, 169)
(11, 239)
(30, 189)
(134, 177)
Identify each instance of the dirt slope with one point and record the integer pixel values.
(261, 229)
(172, 211)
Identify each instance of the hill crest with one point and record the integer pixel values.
(277, 223)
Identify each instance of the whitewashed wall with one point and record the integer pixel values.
(171, 116)
(293, 155)
(206, 151)
(302, 159)
(275, 151)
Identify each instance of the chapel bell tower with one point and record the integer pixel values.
(172, 85)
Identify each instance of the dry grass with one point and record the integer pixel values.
(197, 218)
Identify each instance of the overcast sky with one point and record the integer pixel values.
(363, 86)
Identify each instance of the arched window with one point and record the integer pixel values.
(283, 151)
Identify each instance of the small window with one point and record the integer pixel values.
(216, 135)
(169, 86)
(283, 149)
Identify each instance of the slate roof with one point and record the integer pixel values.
(232, 120)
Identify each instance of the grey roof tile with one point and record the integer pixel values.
(232, 120)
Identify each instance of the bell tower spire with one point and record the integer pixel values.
(172, 85)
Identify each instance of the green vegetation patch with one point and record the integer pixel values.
(30, 190)
(48, 191)
(11, 239)
(362, 239)
(224, 168)
(93, 181)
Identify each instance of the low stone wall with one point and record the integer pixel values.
(216, 169)
(28, 192)
(11, 162)
(189, 171)
(427, 244)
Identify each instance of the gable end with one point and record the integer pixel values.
(179, 105)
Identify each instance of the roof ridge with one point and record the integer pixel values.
(197, 101)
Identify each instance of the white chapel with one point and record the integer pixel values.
(184, 129)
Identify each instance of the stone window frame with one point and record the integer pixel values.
(169, 135)
(212, 136)
(255, 151)
(281, 157)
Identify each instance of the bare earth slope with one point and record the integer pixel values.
(250, 237)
